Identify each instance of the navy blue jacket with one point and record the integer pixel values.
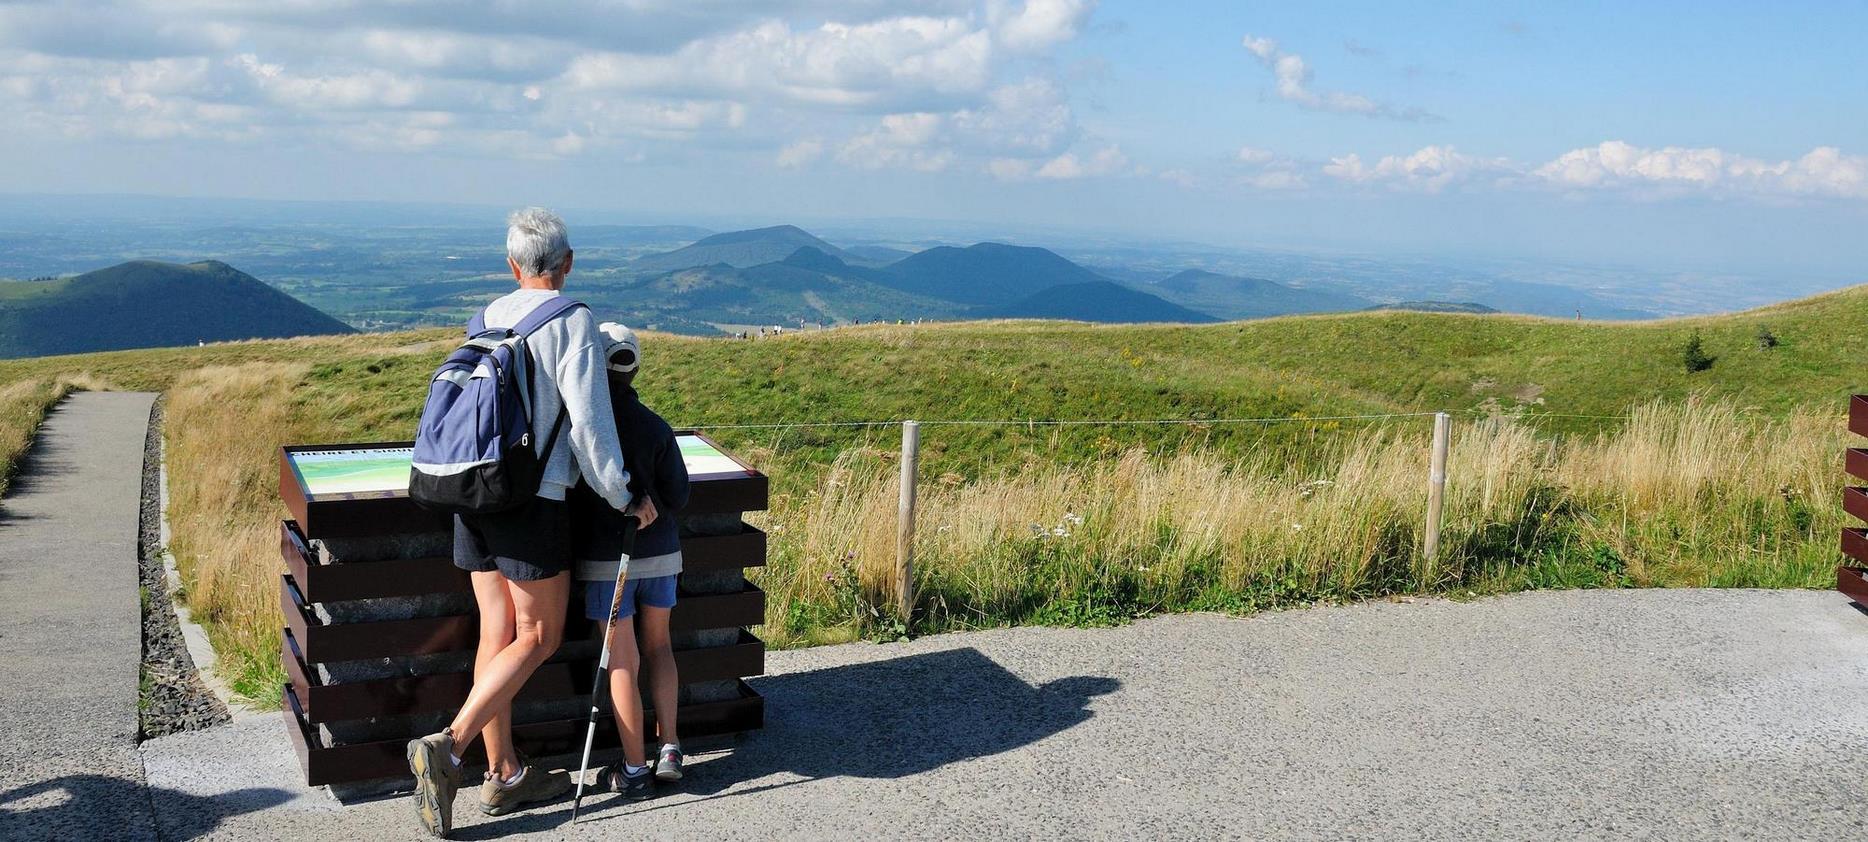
(655, 470)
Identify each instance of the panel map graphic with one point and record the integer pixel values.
(383, 471)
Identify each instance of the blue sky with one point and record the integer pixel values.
(1697, 136)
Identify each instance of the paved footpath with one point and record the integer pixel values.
(1608, 714)
(71, 629)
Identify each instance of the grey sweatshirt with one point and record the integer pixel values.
(570, 375)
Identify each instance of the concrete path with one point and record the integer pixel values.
(71, 629)
(1607, 714)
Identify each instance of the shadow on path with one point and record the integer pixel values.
(884, 719)
(101, 807)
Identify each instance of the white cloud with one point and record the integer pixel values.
(1038, 24)
(589, 75)
(1255, 155)
(1104, 161)
(1108, 160)
(901, 140)
(1028, 117)
(1429, 169)
(901, 61)
(1822, 172)
(801, 154)
(1276, 180)
(1293, 77)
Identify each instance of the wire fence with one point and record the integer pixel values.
(1116, 422)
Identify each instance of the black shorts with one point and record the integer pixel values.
(525, 544)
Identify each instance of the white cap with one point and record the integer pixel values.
(620, 347)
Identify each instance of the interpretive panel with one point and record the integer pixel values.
(356, 473)
(368, 472)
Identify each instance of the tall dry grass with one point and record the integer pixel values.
(1684, 494)
(223, 426)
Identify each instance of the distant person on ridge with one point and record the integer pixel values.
(520, 559)
(649, 594)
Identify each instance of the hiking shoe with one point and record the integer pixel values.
(633, 787)
(535, 784)
(436, 779)
(668, 766)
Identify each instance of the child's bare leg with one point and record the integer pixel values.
(625, 692)
(658, 657)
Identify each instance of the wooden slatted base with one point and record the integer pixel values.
(320, 702)
(418, 576)
(1853, 583)
(328, 764)
(322, 642)
(1855, 502)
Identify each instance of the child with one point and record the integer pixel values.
(657, 472)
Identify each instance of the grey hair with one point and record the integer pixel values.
(535, 240)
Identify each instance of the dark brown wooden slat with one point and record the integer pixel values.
(322, 641)
(443, 691)
(713, 553)
(1856, 463)
(1858, 415)
(1855, 544)
(365, 580)
(1853, 583)
(350, 641)
(386, 758)
(417, 576)
(1855, 502)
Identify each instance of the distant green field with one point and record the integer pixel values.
(1759, 513)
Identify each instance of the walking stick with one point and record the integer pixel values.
(603, 660)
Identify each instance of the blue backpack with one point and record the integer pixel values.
(473, 449)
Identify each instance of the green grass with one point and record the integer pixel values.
(232, 404)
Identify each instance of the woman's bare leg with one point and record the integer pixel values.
(625, 690)
(496, 633)
(538, 628)
(658, 659)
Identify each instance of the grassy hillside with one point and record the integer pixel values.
(145, 304)
(1727, 477)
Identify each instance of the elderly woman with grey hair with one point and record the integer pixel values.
(520, 559)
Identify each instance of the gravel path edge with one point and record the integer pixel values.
(175, 694)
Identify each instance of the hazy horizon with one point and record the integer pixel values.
(1671, 136)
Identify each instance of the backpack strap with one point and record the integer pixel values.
(534, 320)
(551, 309)
(541, 314)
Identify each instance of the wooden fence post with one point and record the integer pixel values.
(905, 522)
(1436, 486)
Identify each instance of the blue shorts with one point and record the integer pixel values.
(658, 592)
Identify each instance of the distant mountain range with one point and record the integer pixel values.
(779, 275)
(148, 304)
(739, 249)
(1232, 298)
(734, 278)
(1096, 301)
